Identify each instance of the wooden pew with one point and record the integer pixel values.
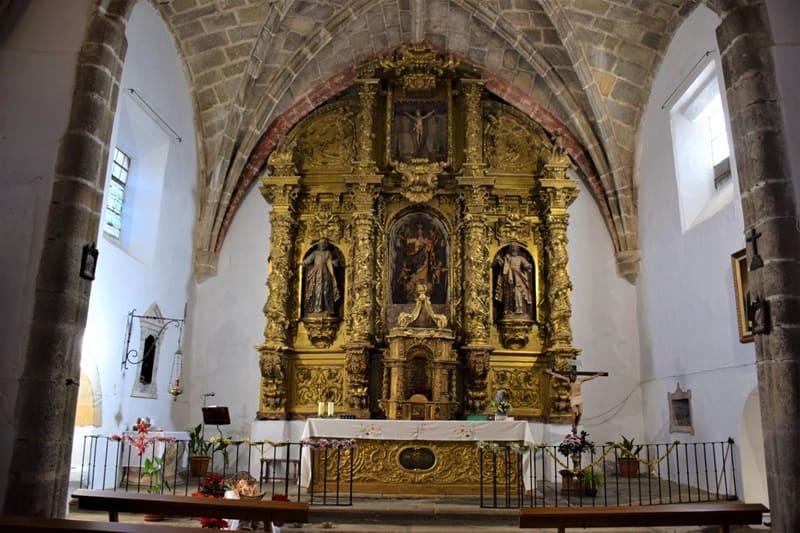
(722, 514)
(35, 523)
(168, 505)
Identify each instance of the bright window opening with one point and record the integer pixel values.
(115, 200)
(700, 140)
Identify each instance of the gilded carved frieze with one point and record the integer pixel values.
(313, 384)
(521, 384)
(327, 143)
(387, 463)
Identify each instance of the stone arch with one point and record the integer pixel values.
(751, 448)
(52, 358)
(279, 128)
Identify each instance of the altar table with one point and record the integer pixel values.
(450, 445)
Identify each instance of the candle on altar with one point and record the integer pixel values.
(320, 408)
(330, 408)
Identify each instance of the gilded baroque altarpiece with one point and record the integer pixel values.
(418, 258)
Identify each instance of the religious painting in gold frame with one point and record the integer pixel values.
(741, 290)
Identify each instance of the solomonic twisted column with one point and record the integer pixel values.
(280, 190)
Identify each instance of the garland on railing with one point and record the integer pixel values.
(524, 448)
(338, 444)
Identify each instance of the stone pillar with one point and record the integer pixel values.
(770, 208)
(363, 187)
(44, 417)
(280, 190)
(557, 193)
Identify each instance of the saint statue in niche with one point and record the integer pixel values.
(419, 258)
(320, 281)
(514, 283)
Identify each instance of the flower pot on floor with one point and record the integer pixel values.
(198, 465)
(628, 466)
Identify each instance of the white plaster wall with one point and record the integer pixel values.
(784, 19)
(124, 282)
(228, 320)
(37, 67)
(688, 327)
(605, 327)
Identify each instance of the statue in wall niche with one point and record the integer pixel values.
(514, 283)
(321, 286)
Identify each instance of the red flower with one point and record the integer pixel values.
(279, 498)
(213, 523)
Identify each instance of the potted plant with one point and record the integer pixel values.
(591, 480)
(199, 452)
(628, 462)
(573, 446)
(154, 470)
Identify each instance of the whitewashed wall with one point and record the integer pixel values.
(37, 67)
(228, 320)
(604, 324)
(686, 302)
(157, 269)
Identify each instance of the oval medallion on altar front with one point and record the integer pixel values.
(416, 458)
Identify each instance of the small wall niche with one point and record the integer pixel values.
(680, 410)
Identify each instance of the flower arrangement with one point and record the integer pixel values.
(154, 470)
(142, 440)
(339, 444)
(574, 444)
(502, 406)
(214, 523)
(213, 485)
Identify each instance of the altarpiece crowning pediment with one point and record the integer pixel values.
(418, 247)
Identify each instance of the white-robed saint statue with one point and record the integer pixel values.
(321, 288)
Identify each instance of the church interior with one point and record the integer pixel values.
(430, 210)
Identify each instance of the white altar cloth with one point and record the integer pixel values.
(411, 430)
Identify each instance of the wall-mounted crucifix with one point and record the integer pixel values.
(575, 395)
(756, 262)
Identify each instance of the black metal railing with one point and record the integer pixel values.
(535, 476)
(114, 463)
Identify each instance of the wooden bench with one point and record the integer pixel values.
(168, 505)
(722, 514)
(36, 523)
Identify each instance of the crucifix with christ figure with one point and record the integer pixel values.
(575, 395)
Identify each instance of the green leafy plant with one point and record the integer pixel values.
(199, 447)
(154, 470)
(629, 448)
(591, 479)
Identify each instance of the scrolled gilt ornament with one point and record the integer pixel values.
(512, 227)
(281, 162)
(423, 302)
(514, 333)
(418, 66)
(321, 330)
(419, 178)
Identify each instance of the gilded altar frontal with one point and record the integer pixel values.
(418, 256)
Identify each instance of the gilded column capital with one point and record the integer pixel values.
(280, 191)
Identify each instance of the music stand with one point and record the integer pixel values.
(217, 415)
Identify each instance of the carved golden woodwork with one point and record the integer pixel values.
(416, 141)
(377, 464)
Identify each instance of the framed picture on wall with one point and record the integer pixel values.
(741, 290)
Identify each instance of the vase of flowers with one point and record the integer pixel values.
(502, 405)
(574, 446)
(154, 470)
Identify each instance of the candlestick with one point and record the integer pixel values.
(330, 408)
(320, 408)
